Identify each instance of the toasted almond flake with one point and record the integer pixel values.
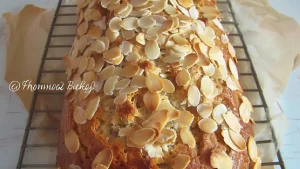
(120, 99)
(209, 70)
(167, 25)
(216, 53)
(154, 151)
(144, 7)
(218, 112)
(105, 3)
(109, 85)
(101, 23)
(168, 86)
(187, 137)
(179, 39)
(138, 81)
(100, 166)
(140, 38)
(98, 46)
(122, 84)
(127, 34)
(248, 103)
(208, 125)
(125, 131)
(113, 5)
(95, 32)
(106, 73)
(181, 161)
(117, 71)
(104, 157)
(166, 136)
(118, 61)
(112, 36)
(231, 84)
(112, 54)
(83, 94)
(173, 112)
(160, 116)
(238, 139)
(152, 50)
(125, 13)
(172, 58)
(105, 40)
(231, 50)
(169, 9)
(194, 95)
(99, 63)
(89, 77)
(82, 28)
(224, 39)
(194, 12)
(146, 22)
(137, 3)
(204, 110)
(129, 23)
(95, 14)
(152, 33)
(79, 116)
(114, 24)
(229, 142)
(98, 86)
(126, 47)
(213, 94)
(183, 78)
(154, 83)
(244, 113)
(252, 149)
(186, 3)
(257, 164)
(185, 118)
(71, 141)
(151, 100)
(92, 107)
(76, 79)
(142, 136)
(158, 6)
(190, 60)
(183, 10)
(221, 72)
(232, 121)
(140, 13)
(73, 166)
(128, 90)
(207, 86)
(130, 70)
(220, 160)
(218, 23)
(121, 8)
(82, 65)
(133, 57)
(233, 69)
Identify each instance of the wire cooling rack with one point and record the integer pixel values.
(39, 146)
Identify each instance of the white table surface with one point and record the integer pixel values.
(13, 114)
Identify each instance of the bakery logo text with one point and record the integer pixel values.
(15, 86)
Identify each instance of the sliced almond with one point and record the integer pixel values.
(79, 116)
(221, 160)
(73, 166)
(99, 63)
(185, 118)
(137, 3)
(207, 86)
(106, 73)
(244, 113)
(128, 90)
(105, 158)
(114, 24)
(154, 151)
(218, 23)
(209, 70)
(158, 6)
(118, 60)
(167, 25)
(216, 54)
(138, 81)
(95, 14)
(146, 22)
(151, 100)
(224, 39)
(114, 5)
(142, 137)
(95, 32)
(100, 166)
(154, 83)
(186, 3)
(129, 23)
(71, 141)
(238, 139)
(105, 3)
(130, 70)
(152, 50)
(231, 84)
(126, 47)
(183, 78)
(161, 117)
(229, 142)
(252, 149)
(133, 57)
(231, 50)
(213, 94)
(179, 39)
(166, 136)
(172, 58)
(169, 9)
(168, 86)
(173, 112)
(112, 36)
(233, 69)
(248, 103)
(257, 164)
(82, 28)
(125, 13)
(109, 85)
(232, 121)
(125, 131)
(187, 137)
(89, 77)
(122, 84)
(208, 125)
(140, 38)
(190, 60)
(194, 95)
(204, 110)
(91, 64)
(194, 13)
(77, 79)
(181, 161)
(98, 46)
(92, 107)
(120, 99)
(144, 7)
(112, 53)
(218, 112)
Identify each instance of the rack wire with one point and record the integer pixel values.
(39, 146)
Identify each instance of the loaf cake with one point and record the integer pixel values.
(166, 90)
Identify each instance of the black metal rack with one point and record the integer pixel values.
(39, 150)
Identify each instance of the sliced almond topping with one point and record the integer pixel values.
(187, 137)
(114, 24)
(122, 84)
(190, 60)
(120, 99)
(194, 95)
(194, 13)
(173, 112)
(169, 9)
(142, 136)
(231, 84)
(231, 50)
(179, 39)
(91, 64)
(73, 166)
(92, 107)
(166, 136)
(141, 13)
(138, 81)
(105, 3)
(89, 77)
(218, 112)
(218, 23)
(114, 5)
(109, 85)
(220, 160)
(152, 50)
(183, 78)
(224, 39)
(100, 166)
(71, 141)
(207, 86)
(125, 131)
(126, 47)
(252, 149)
(238, 139)
(167, 25)
(129, 23)
(232, 121)
(95, 32)
(133, 57)
(204, 110)
(186, 3)
(146, 22)
(82, 65)
(79, 116)
(209, 70)
(83, 94)
(144, 7)
(229, 142)
(95, 14)
(137, 3)
(154, 83)
(213, 94)
(118, 60)
(172, 58)
(112, 36)
(216, 54)
(248, 103)
(185, 118)
(168, 86)
(154, 151)
(208, 125)
(233, 69)
(257, 164)
(98, 46)
(76, 79)
(105, 158)
(244, 113)
(105, 40)
(82, 28)
(140, 38)
(128, 90)
(112, 53)
(125, 13)
(99, 63)
(181, 161)
(130, 70)
(160, 117)
(151, 100)
(158, 6)
(106, 73)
